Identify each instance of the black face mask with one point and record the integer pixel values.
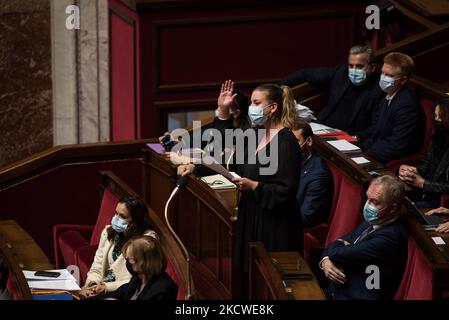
(441, 128)
(129, 266)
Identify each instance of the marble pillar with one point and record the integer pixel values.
(81, 73)
(25, 79)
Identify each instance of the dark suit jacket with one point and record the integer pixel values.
(158, 288)
(435, 170)
(385, 247)
(336, 81)
(315, 191)
(397, 130)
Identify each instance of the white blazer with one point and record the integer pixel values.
(103, 262)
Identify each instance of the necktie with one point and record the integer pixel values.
(364, 234)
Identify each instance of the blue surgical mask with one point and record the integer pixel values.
(256, 116)
(386, 84)
(357, 76)
(118, 224)
(370, 213)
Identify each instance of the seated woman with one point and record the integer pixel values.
(4, 271)
(146, 262)
(444, 227)
(430, 180)
(108, 271)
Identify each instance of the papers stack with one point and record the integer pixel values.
(217, 181)
(304, 112)
(321, 129)
(344, 146)
(65, 281)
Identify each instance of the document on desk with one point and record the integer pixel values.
(69, 285)
(438, 240)
(318, 129)
(360, 160)
(343, 146)
(212, 164)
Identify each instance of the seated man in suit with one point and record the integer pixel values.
(430, 179)
(315, 186)
(353, 90)
(368, 262)
(398, 124)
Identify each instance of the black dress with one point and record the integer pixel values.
(270, 213)
(160, 288)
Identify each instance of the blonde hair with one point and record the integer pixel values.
(283, 97)
(148, 253)
(401, 61)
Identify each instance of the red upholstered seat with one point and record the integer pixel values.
(171, 272)
(344, 217)
(416, 283)
(13, 288)
(69, 242)
(444, 201)
(316, 236)
(347, 214)
(76, 244)
(415, 159)
(84, 256)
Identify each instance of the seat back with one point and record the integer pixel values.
(416, 283)
(178, 266)
(429, 111)
(336, 177)
(347, 210)
(107, 211)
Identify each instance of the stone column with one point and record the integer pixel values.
(81, 73)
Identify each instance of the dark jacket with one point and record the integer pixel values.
(385, 248)
(159, 288)
(337, 82)
(435, 166)
(397, 130)
(315, 191)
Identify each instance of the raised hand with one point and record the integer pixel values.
(226, 95)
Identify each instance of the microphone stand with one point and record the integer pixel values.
(182, 182)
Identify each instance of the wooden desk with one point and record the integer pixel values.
(205, 223)
(266, 276)
(26, 252)
(21, 252)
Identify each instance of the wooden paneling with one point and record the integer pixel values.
(186, 49)
(123, 75)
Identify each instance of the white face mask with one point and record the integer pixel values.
(357, 76)
(256, 115)
(387, 84)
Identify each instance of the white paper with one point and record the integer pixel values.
(343, 145)
(212, 164)
(64, 275)
(318, 128)
(69, 285)
(360, 160)
(438, 240)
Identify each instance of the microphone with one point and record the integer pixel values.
(182, 182)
